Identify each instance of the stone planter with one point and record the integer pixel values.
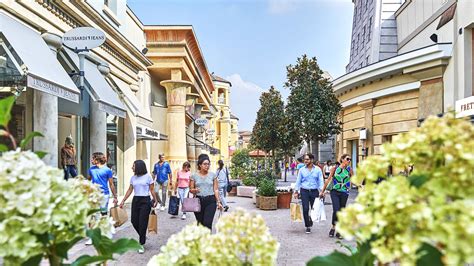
(257, 201)
(268, 203)
(245, 191)
(284, 200)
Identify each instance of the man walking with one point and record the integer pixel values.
(162, 175)
(308, 184)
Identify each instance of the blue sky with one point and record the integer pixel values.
(250, 42)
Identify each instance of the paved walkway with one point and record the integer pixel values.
(296, 247)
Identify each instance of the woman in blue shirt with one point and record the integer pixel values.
(102, 175)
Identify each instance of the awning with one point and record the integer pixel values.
(131, 100)
(42, 69)
(99, 90)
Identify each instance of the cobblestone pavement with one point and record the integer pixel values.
(296, 247)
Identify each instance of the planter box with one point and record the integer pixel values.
(245, 191)
(233, 192)
(268, 203)
(257, 201)
(284, 200)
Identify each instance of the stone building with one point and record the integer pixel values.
(431, 71)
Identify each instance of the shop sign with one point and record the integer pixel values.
(51, 88)
(211, 131)
(83, 38)
(112, 110)
(465, 107)
(201, 122)
(145, 132)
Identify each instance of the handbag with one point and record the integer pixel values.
(229, 186)
(191, 205)
(173, 207)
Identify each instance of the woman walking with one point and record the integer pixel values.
(341, 182)
(183, 178)
(205, 186)
(142, 184)
(222, 177)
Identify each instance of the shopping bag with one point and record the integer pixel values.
(153, 222)
(119, 215)
(318, 213)
(173, 207)
(295, 212)
(322, 211)
(191, 205)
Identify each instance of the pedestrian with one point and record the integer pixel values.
(100, 174)
(205, 186)
(340, 178)
(293, 166)
(299, 165)
(68, 159)
(308, 184)
(327, 169)
(222, 177)
(143, 186)
(162, 176)
(183, 178)
(286, 167)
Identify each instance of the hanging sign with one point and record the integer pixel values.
(465, 107)
(83, 38)
(201, 122)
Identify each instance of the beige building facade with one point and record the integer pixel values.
(426, 77)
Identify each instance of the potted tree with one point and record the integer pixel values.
(284, 197)
(267, 194)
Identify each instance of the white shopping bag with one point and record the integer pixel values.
(318, 213)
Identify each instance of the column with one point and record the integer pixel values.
(368, 107)
(98, 128)
(176, 90)
(198, 131)
(224, 140)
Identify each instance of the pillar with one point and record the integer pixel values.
(225, 128)
(176, 90)
(98, 128)
(368, 107)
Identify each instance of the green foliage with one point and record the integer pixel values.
(267, 188)
(241, 164)
(360, 256)
(249, 181)
(312, 107)
(241, 238)
(6, 105)
(435, 200)
(28, 138)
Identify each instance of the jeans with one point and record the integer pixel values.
(308, 196)
(339, 200)
(183, 193)
(208, 210)
(104, 204)
(70, 171)
(222, 192)
(164, 189)
(141, 207)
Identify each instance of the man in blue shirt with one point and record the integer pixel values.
(161, 175)
(308, 184)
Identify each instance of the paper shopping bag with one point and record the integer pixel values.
(153, 222)
(295, 212)
(119, 215)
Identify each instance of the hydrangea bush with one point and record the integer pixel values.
(432, 205)
(40, 212)
(242, 239)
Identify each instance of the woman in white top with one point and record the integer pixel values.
(143, 185)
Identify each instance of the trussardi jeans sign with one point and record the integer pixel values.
(51, 88)
(465, 107)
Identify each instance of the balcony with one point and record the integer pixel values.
(221, 100)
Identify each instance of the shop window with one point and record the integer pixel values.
(387, 138)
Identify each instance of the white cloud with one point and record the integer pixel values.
(244, 100)
(282, 6)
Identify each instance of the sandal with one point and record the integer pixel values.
(331, 232)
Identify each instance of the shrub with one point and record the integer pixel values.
(267, 188)
(250, 181)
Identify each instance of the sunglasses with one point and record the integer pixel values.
(348, 159)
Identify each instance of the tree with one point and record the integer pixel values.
(312, 106)
(268, 127)
(289, 136)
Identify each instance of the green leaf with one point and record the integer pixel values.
(6, 105)
(63, 247)
(334, 259)
(107, 247)
(429, 256)
(364, 255)
(33, 261)
(28, 138)
(41, 154)
(3, 147)
(417, 180)
(93, 211)
(351, 249)
(125, 244)
(87, 259)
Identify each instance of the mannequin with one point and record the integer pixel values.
(68, 158)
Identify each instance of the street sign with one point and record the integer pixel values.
(83, 38)
(201, 122)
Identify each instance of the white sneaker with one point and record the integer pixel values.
(183, 217)
(162, 208)
(141, 250)
(89, 242)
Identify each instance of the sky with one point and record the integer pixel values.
(250, 42)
